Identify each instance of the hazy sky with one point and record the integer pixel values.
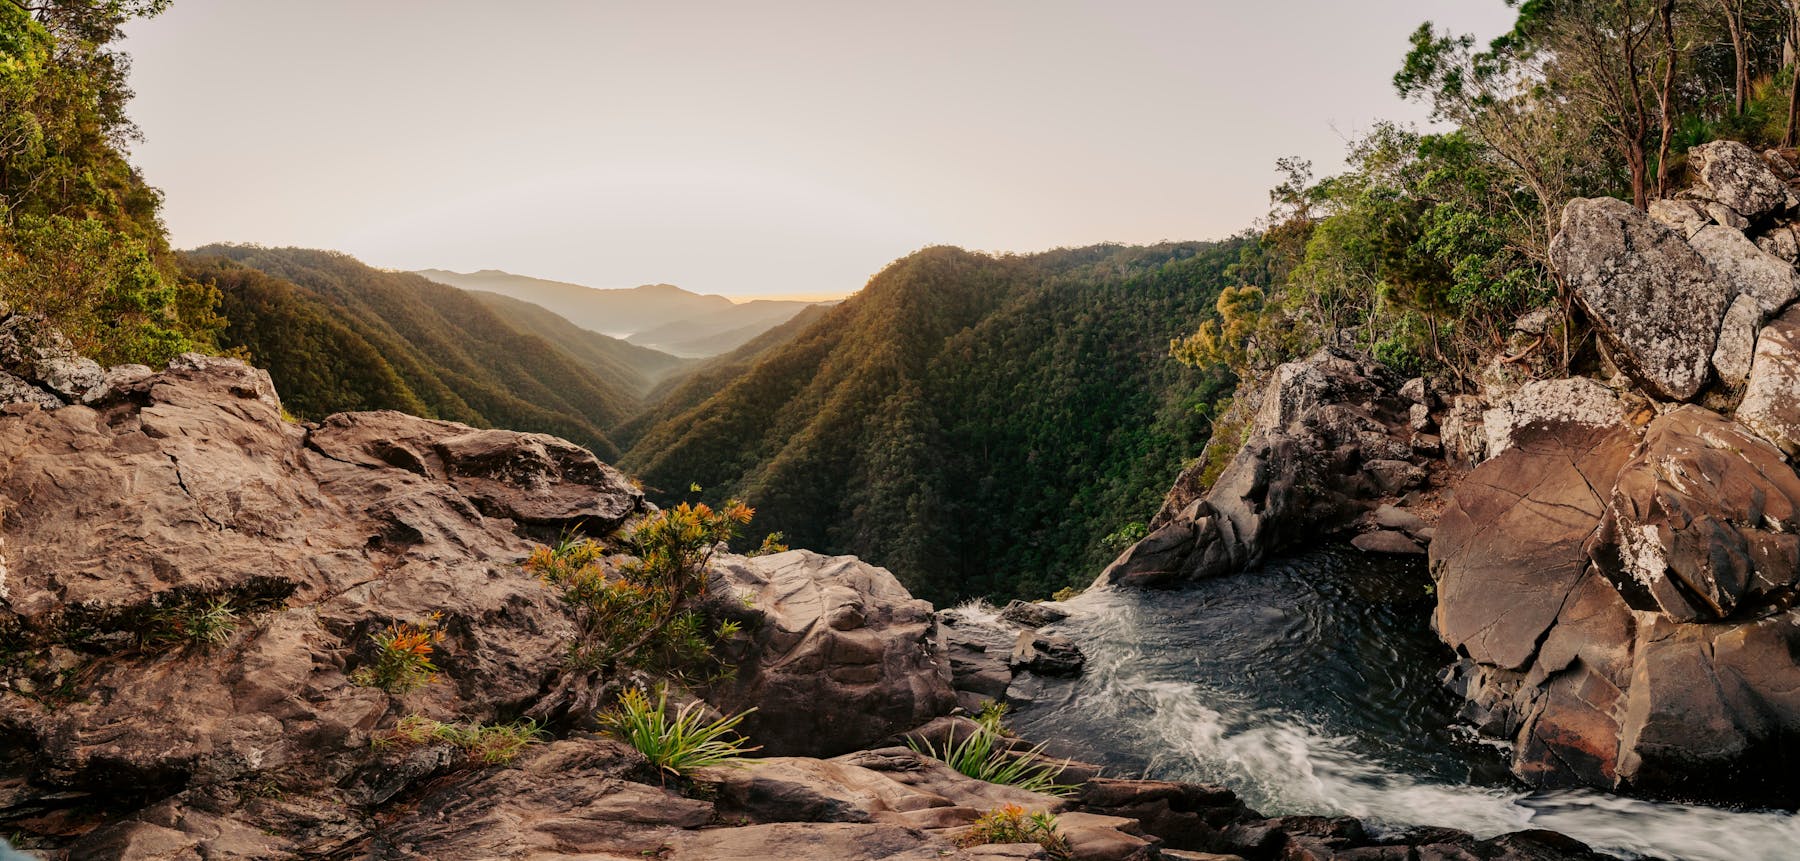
(748, 148)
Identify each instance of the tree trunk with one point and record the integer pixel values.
(1789, 138)
(1665, 92)
(1734, 23)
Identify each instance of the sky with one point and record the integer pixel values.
(773, 148)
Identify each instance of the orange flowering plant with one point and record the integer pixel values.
(402, 661)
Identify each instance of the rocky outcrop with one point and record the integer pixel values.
(841, 655)
(1655, 301)
(1330, 438)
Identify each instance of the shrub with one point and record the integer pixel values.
(646, 613)
(993, 716)
(402, 660)
(205, 624)
(1011, 824)
(490, 744)
(675, 744)
(983, 755)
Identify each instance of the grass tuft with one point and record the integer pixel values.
(677, 743)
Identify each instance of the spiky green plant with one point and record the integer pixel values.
(677, 743)
(205, 624)
(983, 755)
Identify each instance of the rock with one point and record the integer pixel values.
(1395, 476)
(1387, 541)
(1429, 446)
(980, 652)
(36, 352)
(1508, 548)
(1725, 216)
(1771, 403)
(842, 655)
(1575, 401)
(534, 479)
(1105, 838)
(1032, 614)
(1414, 390)
(1390, 517)
(1685, 217)
(1705, 518)
(1731, 358)
(1464, 437)
(788, 841)
(1734, 175)
(1419, 417)
(14, 390)
(1747, 269)
(1653, 299)
(1780, 242)
(1329, 432)
(1047, 655)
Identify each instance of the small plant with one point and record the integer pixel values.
(204, 624)
(1066, 593)
(402, 657)
(1011, 824)
(646, 613)
(983, 755)
(677, 744)
(489, 744)
(771, 543)
(992, 717)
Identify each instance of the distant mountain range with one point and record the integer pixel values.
(660, 316)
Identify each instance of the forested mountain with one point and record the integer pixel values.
(336, 334)
(978, 424)
(642, 368)
(659, 316)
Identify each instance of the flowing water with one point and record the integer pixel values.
(1309, 686)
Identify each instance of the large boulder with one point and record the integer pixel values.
(1619, 607)
(1704, 520)
(1571, 402)
(33, 350)
(1654, 300)
(842, 654)
(1330, 436)
(1746, 269)
(1733, 174)
(1771, 404)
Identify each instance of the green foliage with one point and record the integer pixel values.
(975, 424)
(200, 623)
(338, 335)
(80, 238)
(1125, 536)
(771, 543)
(402, 661)
(645, 613)
(488, 744)
(993, 717)
(1011, 824)
(678, 743)
(984, 755)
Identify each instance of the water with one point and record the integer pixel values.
(1309, 686)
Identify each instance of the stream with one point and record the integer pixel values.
(1309, 686)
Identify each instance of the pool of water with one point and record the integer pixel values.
(1310, 686)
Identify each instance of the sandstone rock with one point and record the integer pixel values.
(1509, 546)
(842, 654)
(1705, 518)
(979, 652)
(1575, 401)
(1032, 614)
(1747, 269)
(1771, 404)
(1393, 476)
(1650, 295)
(1732, 356)
(1047, 655)
(788, 841)
(1390, 517)
(1734, 175)
(1387, 541)
(534, 479)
